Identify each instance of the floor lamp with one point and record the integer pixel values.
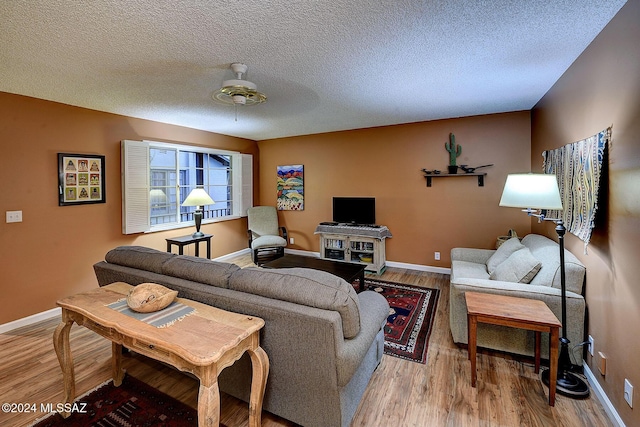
(536, 192)
(198, 198)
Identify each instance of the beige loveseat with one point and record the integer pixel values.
(323, 340)
(470, 271)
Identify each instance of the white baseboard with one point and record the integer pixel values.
(30, 320)
(602, 397)
(301, 252)
(231, 255)
(419, 267)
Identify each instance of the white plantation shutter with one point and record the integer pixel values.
(242, 183)
(135, 187)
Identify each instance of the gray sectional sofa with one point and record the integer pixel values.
(527, 269)
(323, 340)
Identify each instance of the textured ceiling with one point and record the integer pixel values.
(325, 65)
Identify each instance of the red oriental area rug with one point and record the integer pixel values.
(134, 403)
(411, 314)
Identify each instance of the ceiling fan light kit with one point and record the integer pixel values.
(239, 91)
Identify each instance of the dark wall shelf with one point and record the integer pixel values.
(453, 175)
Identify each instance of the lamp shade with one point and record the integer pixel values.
(531, 190)
(157, 197)
(198, 197)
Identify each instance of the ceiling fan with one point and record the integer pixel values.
(239, 91)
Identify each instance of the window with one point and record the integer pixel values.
(158, 177)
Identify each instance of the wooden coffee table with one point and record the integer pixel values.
(521, 313)
(203, 343)
(347, 271)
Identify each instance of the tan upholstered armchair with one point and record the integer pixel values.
(264, 233)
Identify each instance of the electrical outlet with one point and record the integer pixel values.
(14, 216)
(591, 345)
(291, 241)
(437, 256)
(628, 392)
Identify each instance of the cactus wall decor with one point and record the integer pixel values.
(453, 149)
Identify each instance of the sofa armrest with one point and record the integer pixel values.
(374, 310)
(479, 256)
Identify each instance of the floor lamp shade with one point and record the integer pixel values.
(198, 198)
(531, 190)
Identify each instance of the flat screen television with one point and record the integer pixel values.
(354, 210)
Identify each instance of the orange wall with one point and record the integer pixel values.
(50, 254)
(386, 163)
(601, 89)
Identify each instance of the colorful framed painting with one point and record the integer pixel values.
(80, 179)
(290, 188)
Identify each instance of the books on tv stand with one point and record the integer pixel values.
(354, 243)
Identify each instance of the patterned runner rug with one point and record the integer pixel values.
(406, 334)
(134, 403)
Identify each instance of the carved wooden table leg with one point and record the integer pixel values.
(260, 366)
(63, 351)
(209, 402)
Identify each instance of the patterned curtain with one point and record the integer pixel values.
(577, 167)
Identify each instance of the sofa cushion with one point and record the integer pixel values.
(268, 241)
(304, 286)
(200, 270)
(503, 252)
(520, 267)
(138, 257)
(467, 269)
(548, 252)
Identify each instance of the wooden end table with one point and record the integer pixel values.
(182, 241)
(520, 313)
(203, 344)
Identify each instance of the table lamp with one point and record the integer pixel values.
(535, 193)
(198, 198)
(157, 197)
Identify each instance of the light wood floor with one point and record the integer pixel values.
(401, 393)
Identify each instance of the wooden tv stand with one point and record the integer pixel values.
(354, 244)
